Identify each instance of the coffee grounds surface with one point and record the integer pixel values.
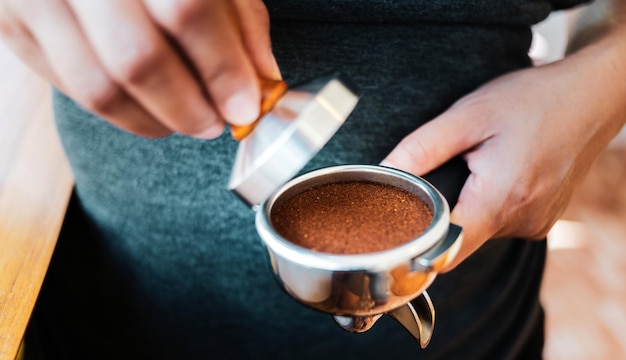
(352, 217)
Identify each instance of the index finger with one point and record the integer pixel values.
(452, 133)
(141, 60)
(210, 36)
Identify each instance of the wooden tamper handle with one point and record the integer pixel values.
(271, 92)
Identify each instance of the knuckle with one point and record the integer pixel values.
(417, 150)
(182, 11)
(524, 203)
(259, 10)
(477, 107)
(136, 63)
(519, 196)
(9, 25)
(499, 221)
(518, 199)
(225, 72)
(6, 24)
(99, 97)
(536, 228)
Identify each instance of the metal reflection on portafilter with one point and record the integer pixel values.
(358, 288)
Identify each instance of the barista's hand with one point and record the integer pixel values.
(151, 67)
(528, 138)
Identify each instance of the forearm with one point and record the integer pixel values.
(593, 74)
(592, 21)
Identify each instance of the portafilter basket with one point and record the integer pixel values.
(357, 289)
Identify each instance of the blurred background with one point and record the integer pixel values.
(584, 289)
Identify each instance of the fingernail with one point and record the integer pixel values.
(242, 108)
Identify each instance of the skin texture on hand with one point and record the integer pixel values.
(528, 137)
(150, 67)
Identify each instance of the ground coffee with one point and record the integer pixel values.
(351, 217)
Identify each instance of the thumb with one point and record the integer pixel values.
(434, 143)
